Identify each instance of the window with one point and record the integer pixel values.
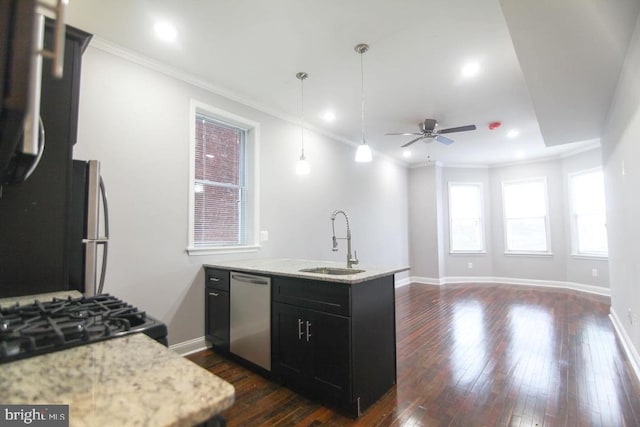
(526, 222)
(466, 220)
(588, 216)
(223, 187)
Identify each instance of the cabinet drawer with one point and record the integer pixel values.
(217, 279)
(217, 318)
(314, 294)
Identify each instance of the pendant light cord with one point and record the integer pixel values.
(302, 115)
(362, 92)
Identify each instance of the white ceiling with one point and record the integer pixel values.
(548, 67)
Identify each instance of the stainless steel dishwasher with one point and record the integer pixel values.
(250, 318)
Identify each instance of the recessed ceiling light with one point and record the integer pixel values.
(406, 154)
(513, 133)
(165, 31)
(328, 116)
(470, 69)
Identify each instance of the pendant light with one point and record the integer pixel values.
(302, 167)
(363, 154)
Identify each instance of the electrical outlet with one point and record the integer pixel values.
(469, 265)
(594, 272)
(264, 235)
(630, 316)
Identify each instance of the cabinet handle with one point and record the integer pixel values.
(214, 279)
(308, 330)
(300, 333)
(213, 294)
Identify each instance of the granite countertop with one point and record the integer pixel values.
(291, 268)
(128, 381)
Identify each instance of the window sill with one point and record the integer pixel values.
(590, 256)
(530, 254)
(218, 250)
(464, 253)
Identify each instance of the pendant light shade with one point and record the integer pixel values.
(302, 167)
(363, 155)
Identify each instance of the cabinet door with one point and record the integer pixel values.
(329, 337)
(217, 318)
(290, 352)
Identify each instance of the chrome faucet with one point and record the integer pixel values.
(351, 261)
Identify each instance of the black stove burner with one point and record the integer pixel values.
(39, 328)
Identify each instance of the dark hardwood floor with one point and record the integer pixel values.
(475, 355)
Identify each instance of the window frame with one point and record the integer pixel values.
(481, 219)
(575, 242)
(507, 251)
(251, 169)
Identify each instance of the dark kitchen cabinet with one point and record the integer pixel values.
(312, 351)
(333, 341)
(34, 216)
(217, 308)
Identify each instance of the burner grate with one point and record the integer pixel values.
(39, 327)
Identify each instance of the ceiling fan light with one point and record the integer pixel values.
(363, 155)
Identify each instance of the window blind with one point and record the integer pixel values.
(219, 183)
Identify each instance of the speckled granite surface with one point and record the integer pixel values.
(291, 268)
(128, 381)
(28, 299)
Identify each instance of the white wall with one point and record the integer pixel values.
(135, 120)
(426, 234)
(560, 269)
(621, 158)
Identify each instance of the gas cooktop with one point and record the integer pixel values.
(42, 327)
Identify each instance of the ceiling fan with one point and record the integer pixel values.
(428, 130)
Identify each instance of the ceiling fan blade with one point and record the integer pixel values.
(406, 134)
(458, 129)
(412, 141)
(444, 140)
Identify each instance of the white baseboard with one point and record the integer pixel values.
(425, 280)
(403, 282)
(191, 346)
(511, 281)
(627, 343)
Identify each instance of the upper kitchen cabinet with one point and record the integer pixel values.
(34, 215)
(59, 103)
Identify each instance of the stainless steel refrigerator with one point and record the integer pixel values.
(89, 228)
(54, 240)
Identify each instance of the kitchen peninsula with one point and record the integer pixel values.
(329, 331)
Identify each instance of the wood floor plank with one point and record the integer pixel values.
(474, 355)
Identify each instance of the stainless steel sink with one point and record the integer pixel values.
(336, 271)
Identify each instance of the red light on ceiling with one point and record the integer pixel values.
(494, 125)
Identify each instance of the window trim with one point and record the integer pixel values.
(575, 252)
(548, 251)
(252, 164)
(483, 250)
